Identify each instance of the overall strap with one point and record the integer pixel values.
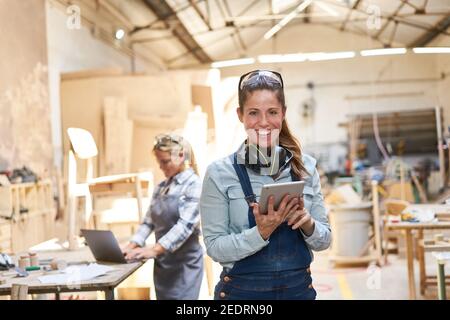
(244, 180)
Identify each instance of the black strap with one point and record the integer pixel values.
(244, 180)
(294, 177)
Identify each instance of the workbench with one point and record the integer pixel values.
(408, 228)
(106, 283)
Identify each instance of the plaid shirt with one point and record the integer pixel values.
(188, 185)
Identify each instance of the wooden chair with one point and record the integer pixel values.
(83, 147)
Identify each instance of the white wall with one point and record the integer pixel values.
(443, 66)
(75, 50)
(25, 135)
(337, 81)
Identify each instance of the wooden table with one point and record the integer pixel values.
(408, 228)
(106, 283)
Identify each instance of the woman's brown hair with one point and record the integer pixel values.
(286, 138)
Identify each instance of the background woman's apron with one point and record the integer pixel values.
(177, 275)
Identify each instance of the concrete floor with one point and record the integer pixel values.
(359, 283)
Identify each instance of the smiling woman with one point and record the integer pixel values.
(264, 256)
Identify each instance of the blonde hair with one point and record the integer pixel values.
(185, 147)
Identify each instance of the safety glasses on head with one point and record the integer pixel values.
(264, 73)
(167, 140)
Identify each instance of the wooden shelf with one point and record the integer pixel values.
(27, 213)
(416, 130)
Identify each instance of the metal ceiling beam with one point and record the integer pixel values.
(237, 33)
(425, 39)
(165, 13)
(200, 13)
(390, 18)
(116, 13)
(105, 36)
(416, 9)
(354, 7)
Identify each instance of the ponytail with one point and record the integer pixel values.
(288, 141)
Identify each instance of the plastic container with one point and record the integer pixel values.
(24, 261)
(34, 261)
(350, 226)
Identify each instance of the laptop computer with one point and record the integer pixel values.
(104, 246)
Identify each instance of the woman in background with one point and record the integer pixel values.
(174, 217)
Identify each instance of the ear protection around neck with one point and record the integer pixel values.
(264, 161)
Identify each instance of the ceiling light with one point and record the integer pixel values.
(321, 56)
(381, 52)
(269, 34)
(325, 7)
(231, 63)
(120, 33)
(277, 58)
(432, 50)
(280, 5)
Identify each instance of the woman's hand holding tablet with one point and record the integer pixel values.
(278, 191)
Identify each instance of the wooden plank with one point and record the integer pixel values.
(421, 258)
(202, 96)
(19, 292)
(422, 194)
(5, 230)
(343, 259)
(5, 246)
(162, 123)
(418, 225)
(410, 264)
(78, 75)
(120, 187)
(138, 190)
(440, 147)
(376, 221)
(401, 191)
(129, 177)
(36, 225)
(6, 202)
(118, 135)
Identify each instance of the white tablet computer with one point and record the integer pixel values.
(279, 190)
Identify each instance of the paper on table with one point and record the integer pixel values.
(422, 215)
(74, 274)
(441, 255)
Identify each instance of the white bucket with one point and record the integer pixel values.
(350, 225)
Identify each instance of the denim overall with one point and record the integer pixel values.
(279, 271)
